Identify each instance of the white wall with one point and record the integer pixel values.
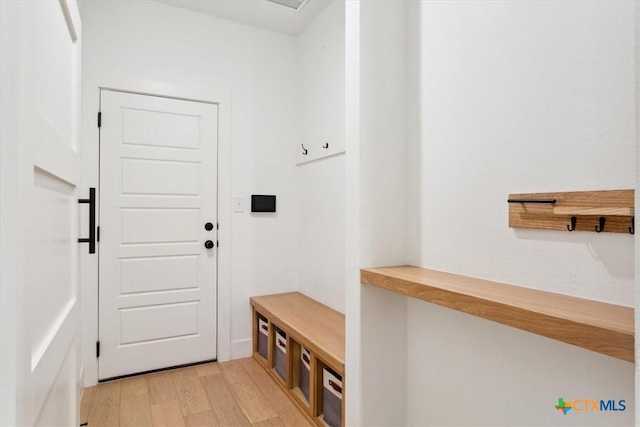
(151, 47)
(515, 97)
(321, 183)
(469, 371)
(376, 320)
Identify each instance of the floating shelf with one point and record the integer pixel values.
(554, 211)
(604, 328)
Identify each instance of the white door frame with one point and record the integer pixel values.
(90, 177)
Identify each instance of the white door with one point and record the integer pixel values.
(47, 161)
(158, 214)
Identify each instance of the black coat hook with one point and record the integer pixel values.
(600, 228)
(304, 150)
(326, 145)
(632, 229)
(573, 224)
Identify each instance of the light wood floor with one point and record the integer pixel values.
(237, 393)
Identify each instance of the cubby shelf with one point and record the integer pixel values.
(593, 325)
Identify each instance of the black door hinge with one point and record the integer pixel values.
(97, 348)
(98, 237)
(99, 119)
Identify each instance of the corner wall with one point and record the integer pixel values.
(376, 207)
(516, 97)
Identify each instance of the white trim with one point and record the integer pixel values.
(89, 263)
(353, 350)
(179, 98)
(224, 232)
(72, 19)
(241, 349)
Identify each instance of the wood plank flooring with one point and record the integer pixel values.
(237, 393)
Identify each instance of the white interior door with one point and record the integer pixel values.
(47, 162)
(158, 193)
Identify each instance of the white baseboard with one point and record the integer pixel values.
(241, 349)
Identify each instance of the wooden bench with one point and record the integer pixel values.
(309, 324)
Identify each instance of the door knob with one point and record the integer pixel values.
(208, 226)
(208, 244)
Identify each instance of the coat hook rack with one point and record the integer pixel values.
(304, 150)
(601, 211)
(326, 145)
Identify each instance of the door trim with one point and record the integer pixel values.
(89, 264)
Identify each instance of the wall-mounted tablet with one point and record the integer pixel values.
(263, 204)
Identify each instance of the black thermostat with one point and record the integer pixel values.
(261, 203)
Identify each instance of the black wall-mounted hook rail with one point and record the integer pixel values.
(632, 229)
(548, 201)
(600, 228)
(573, 224)
(304, 150)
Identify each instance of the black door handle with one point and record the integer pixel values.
(92, 220)
(208, 244)
(208, 226)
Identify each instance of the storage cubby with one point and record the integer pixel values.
(280, 359)
(300, 360)
(261, 339)
(329, 404)
(314, 339)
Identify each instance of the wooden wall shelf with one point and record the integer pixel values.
(616, 206)
(593, 325)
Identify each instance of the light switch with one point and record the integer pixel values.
(238, 204)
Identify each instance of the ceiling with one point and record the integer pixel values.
(259, 13)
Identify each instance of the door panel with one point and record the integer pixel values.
(48, 319)
(53, 207)
(160, 177)
(151, 323)
(140, 226)
(157, 274)
(157, 190)
(61, 404)
(163, 129)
